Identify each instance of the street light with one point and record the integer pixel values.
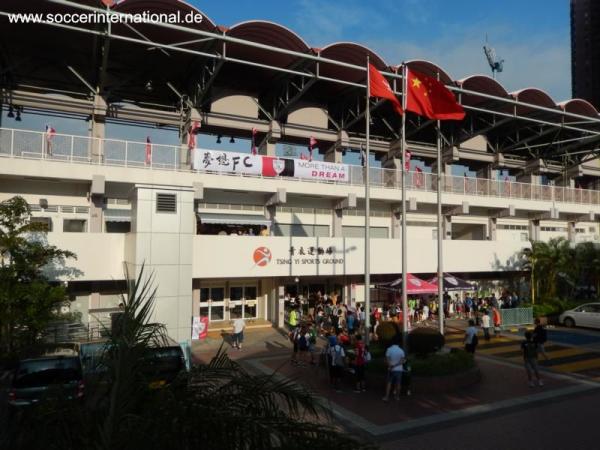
(297, 280)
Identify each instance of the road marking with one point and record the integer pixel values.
(496, 340)
(495, 350)
(578, 366)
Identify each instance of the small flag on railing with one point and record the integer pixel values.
(194, 130)
(407, 156)
(50, 133)
(363, 157)
(148, 150)
(418, 177)
(254, 150)
(311, 144)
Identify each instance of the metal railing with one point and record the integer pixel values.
(110, 152)
(515, 317)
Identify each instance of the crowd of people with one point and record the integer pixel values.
(344, 351)
(342, 329)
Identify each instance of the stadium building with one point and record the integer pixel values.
(530, 164)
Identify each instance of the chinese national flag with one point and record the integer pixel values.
(430, 98)
(379, 87)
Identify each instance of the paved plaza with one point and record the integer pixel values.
(426, 420)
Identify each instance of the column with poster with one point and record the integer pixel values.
(281, 307)
(199, 327)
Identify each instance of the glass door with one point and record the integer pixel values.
(250, 303)
(212, 303)
(242, 302)
(236, 302)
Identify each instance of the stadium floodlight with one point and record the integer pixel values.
(497, 65)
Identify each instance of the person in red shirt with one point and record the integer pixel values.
(359, 364)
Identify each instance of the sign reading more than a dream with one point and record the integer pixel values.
(268, 166)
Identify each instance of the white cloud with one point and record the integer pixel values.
(327, 21)
(538, 61)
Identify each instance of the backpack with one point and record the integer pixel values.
(303, 342)
(541, 335)
(530, 350)
(338, 359)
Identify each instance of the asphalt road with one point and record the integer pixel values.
(570, 424)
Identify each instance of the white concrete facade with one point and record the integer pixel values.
(219, 275)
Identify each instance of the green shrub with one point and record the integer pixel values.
(553, 307)
(456, 361)
(424, 341)
(388, 331)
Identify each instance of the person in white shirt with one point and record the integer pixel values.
(238, 333)
(485, 324)
(425, 313)
(395, 358)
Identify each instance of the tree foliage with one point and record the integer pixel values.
(28, 300)
(563, 269)
(219, 405)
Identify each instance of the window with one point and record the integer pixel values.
(306, 230)
(166, 203)
(45, 220)
(359, 232)
(74, 226)
(118, 227)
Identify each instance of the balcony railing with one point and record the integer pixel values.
(111, 152)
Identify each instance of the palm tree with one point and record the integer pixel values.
(215, 406)
(546, 260)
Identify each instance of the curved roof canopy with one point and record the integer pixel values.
(53, 59)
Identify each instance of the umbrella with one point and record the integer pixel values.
(452, 283)
(415, 285)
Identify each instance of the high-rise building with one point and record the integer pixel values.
(585, 50)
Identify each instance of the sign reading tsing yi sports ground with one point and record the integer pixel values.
(267, 166)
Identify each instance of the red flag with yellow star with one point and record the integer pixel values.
(430, 98)
(379, 87)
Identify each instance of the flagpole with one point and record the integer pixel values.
(404, 249)
(367, 212)
(440, 268)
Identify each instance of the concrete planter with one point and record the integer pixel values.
(446, 383)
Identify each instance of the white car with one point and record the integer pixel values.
(587, 315)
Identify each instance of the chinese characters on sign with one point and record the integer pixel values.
(311, 251)
(310, 255)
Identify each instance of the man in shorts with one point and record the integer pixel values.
(530, 354)
(238, 332)
(394, 357)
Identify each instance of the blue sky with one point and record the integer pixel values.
(533, 36)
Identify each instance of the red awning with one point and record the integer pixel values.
(416, 286)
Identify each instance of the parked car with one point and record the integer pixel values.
(587, 315)
(57, 376)
(159, 366)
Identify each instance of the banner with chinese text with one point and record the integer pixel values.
(268, 166)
